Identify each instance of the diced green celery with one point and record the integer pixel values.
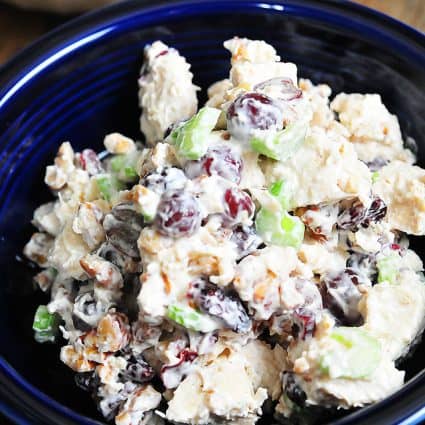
(283, 144)
(191, 318)
(191, 138)
(108, 185)
(375, 176)
(45, 325)
(356, 356)
(280, 228)
(124, 167)
(130, 172)
(147, 204)
(280, 190)
(117, 163)
(388, 268)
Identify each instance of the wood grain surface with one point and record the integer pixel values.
(18, 28)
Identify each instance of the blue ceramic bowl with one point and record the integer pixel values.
(80, 82)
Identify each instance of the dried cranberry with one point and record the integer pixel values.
(122, 228)
(90, 162)
(170, 178)
(246, 240)
(220, 160)
(341, 296)
(304, 322)
(293, 390)
(137, 370)
(171, 375)
(184, 355)
(178, 214)
(162, 53)
(238, 204)
(87, 312)
(87, 381)
(352, 217)
(253, 111)
(125, 263)
(287, 89)
(377, 163)
(195, 288)
(364, 265)
(357, 215)
(228, 308)
(311, 294)
(108, 403)
(376, 212)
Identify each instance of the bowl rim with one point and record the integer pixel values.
(24, 401)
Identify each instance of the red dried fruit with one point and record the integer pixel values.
(122, 228)
(287, 89)
(341, 296)
(178, 214)
(253, 111)
(220, 160)
(227, 307)
(246, 240)
(91, 162)
(237, 204)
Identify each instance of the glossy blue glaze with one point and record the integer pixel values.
(80, 82)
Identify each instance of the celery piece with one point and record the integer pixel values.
(191, 138)
(108, 185)
(279, 228)
(283, 144)
(45, 325)
(280, 190)
(191, 318)
(356, 356)
(388, 268)
(124, 167)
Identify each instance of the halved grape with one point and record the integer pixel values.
(238, 205)
(279, 228)
(178, 214)
(356, 355)
(253, 111)
(190, 318)
(220, 160)
(286, 88)
(191, 138)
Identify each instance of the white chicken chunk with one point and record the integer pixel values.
(166, 93)
(402, 187)
(318, 172)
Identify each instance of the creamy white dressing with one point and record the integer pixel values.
(201, 301)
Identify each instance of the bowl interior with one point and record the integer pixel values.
(91, 89)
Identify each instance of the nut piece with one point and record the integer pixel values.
(75, 360)
(113, 332)
(57, 175)
(87, 223)
(142, 400)
(116, 143)
(106, 273)
(38, 247)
